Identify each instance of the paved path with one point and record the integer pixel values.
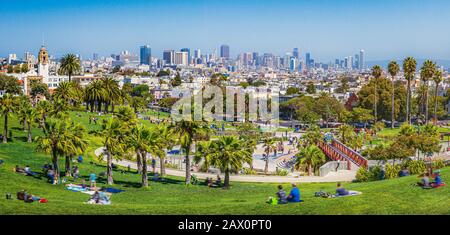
(340, 176)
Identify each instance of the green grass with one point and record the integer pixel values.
(383, 197)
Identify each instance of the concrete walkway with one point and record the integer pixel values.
(339, 176)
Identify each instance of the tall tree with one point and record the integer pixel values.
(187, 132)
(70, 65)
(7, 107)
(427, 73)
(311, 157)
(437, 78)
(376, 73)
(393, 69)
(112, 92)
(230, 154)
(95, 94)
(269, 146)
(112, 130)
(409, 69)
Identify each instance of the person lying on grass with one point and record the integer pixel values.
(341, 191)
(17, 169)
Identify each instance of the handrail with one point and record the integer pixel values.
(352, 154)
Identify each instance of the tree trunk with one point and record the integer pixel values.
(139, 162)
(5, 129)
(99, 106)
(188, 166)
(375, 106)
(226, 183)
(109, 170)
(393, 104)
(29, 134)
(92, 106)
(426, 105)
(309, 170)
(112, 107)
(55, 165)
(266, 167)
(408, 101)
(435, 103)
(162, 166)
(144, 170)
(68, 172)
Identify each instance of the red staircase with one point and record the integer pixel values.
(337, 151)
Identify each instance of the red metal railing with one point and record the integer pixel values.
(352, 154)
(334, 154)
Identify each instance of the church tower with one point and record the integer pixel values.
(43, 64)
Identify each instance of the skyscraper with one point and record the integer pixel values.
(181, 58)
(145, 54)
(293, 64)
(188, 53)
(197, 53)
(225, 51)
(168, 56)
(295, 53)
(308, 59)
(362, 60)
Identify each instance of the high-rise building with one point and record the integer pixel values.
(145, 54)
(225, 51)
(293, 64)
(168, 56)
(308, 59)
(95, 56)
(181, 58)
(188, 52)
(295, 53)
(362, 60)
(197, 53)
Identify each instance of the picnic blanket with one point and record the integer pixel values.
(435, 186)
(350, 193)
(77, 188)
(112, 190)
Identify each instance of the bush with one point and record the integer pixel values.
(416, 167)
(438, 164)
(282, 172)
(172, 165)
(249, 171)
(375, 173)
(392, 171)
(362, 175)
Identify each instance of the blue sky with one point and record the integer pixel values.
(328, 29)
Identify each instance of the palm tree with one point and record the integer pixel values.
(145, 141)
(437, 78)
(64, 91)
(204, 151)
(7, 107)
(230, 155)
(409, 69)
(168, 141)
(43, 109)
(29, 115)
(23, 104)
(376, 73)
(426, 73)
(77, 145)
(56, 141)
(95, 93)
(70, 65)
(187, 132)
(311, 156)
(112, 130)
(269, 146)
(393, 69)
(112, 92)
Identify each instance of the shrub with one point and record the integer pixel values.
(172, 165)
(416, 167)
(282, 172)
(438, 164)
(249, 171)
(392, 171)
(362, 175)
(375, 173)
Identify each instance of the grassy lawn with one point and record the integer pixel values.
(173, 197)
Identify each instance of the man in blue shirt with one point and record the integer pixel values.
(294, 196)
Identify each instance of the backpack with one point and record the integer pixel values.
(322, 194)
(272, 201)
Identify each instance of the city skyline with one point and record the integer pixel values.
(327, 29)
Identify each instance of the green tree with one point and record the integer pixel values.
(437, 78)
(409, 70)
(310, 88)
(10, 84)
(328, 107)
(427, 72)
(230, 154)
(361, 115)
(112, 92)
(7, 107)
(393, 69)
(95, 94)
(187, 132)
(39, 88)
(24, 68)
(176, 81)
(269, 145)
(344, 87)
(377, 71)
(112, 131)
(311, 157)
(70, 65)
(292, 91)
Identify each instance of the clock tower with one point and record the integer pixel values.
(43, 63)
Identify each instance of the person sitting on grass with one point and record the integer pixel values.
(404, 172)
(51, 175)
(425, 182)
(341, 191)
(294, 195)
(437, 180)
(281, 194)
